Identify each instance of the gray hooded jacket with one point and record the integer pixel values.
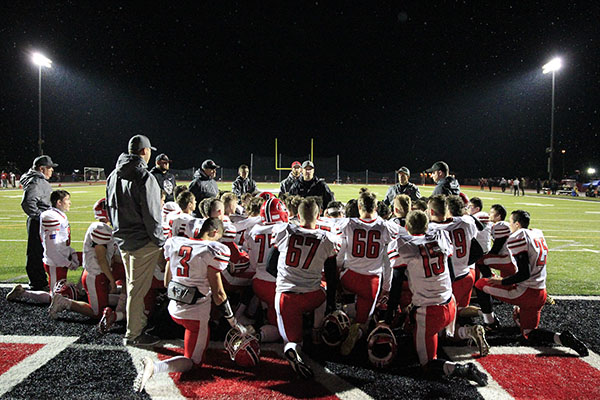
(133, 200)
(36, 195)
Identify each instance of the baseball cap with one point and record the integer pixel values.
(139, 142)
(45, 161)
(296, 163)
(209, 164)
(439, 166)
(307, 164)
(404, 170)
(163, 157)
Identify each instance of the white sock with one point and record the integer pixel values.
(269, 333)
(39, 296)
(290, 345)
(175, 364)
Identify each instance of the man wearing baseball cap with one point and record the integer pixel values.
(165, 179)
(309, 185)
(402, 187)
(287, 183)
(445, 184)
(204, 185)
(133, 200)
(36, 199)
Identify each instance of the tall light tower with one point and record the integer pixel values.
(41, 61)
(552, 66)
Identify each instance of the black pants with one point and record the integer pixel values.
(35, 252)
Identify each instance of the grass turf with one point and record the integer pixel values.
(571, 227)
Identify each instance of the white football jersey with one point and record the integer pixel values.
(462, 230)
(330, 225)
(177, 222)
(243, 225)
(259, 245)
(168, 208)
(229, 231)
(55, 233)
(302, 255)
(193, 227)
(501, 230)
(484, 237)
(364, 244)
(98, 234)
(189, 260)
(425, 258)
(532, 242)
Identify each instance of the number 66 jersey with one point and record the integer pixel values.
(425, 258)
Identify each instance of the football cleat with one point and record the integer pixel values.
(243, 348)
(58, 304)
(107, 320)
(477, 334)
(471, 372)
(273, 210)
(335, 328)
(550, 300)
(350, 341)
(382, 346)
(100, 210)
(15, 293)
(65, 289)
(494, 325)
(569, 340)
(298, 364)
(144, 375)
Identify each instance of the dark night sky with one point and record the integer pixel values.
(405, 83)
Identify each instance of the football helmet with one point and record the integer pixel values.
(243, 348)
(266, 195)
(382, 346)
(273, 210)
(66, 289)
(335, 328)
(100, 211)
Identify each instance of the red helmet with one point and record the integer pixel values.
(335, 328)
(273, 210)
(100, 210)
(243, 348)
(382, 346)
(65, 289)
(266, 195)
(464, 198)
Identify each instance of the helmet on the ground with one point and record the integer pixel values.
(66, 289)
(243, 348)
(382, 346)
(335, 328)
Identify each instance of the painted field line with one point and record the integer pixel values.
(576, 250)
(25, 240)
(592, 212)
(576, 297)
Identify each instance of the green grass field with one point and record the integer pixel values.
(571, 227)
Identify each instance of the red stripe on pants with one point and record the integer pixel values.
(55, 274)
(291, 308)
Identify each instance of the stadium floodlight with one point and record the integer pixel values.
(41, 61)
(552, 66)
(591, 171)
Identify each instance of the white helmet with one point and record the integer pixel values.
(243, 348)
(335, 328)
(382, 346)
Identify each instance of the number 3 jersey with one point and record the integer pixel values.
(532, 242)
(425, 258)
(302, 254)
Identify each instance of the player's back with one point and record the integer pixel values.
(302, 254)
(501, 230)
(532, 242)
(484, 237)
(462, 230)
(364, 244)
(259, 246)
(243, 224)
(177, 223)
(98, 233)
(55, 233)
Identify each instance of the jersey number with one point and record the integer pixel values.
(433, 259)
(293, 253)
(365, 244)
(183, 269)
(459, 239)
(542, 252)
(264, 242)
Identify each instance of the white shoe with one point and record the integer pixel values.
(59, 303)
(15, 293)
(145, 374)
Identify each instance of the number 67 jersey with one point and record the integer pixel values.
(425, 258)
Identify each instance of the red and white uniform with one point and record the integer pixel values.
(168, 208)
(364, 248)
(239, 273)
(529, 294)
(425, 258)
(189, 261)
(462, 231)
(177, 222)
(302, 254)
(501, 261)
(484, 237)
(243, 224)
(55, 234)
(330, 225)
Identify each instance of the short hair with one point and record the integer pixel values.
(456, 205)
(178, 189)
(476, 201)
(243, 166)
(362, 190)
(318, 200)
(499, 208)
(335, 209)
(57, 196)
(416, 222)
(420, 204)
(438, 204)
(204, 206)
(522, 217)
(403, 203)
(228, 198)
(308, 209)
(253, 206)
(292, 203)
(383, 210)
(246, 197)
(352, 209)
(367, 201)
(211, 205)
(185, 198)
(211, 224)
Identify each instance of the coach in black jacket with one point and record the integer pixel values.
(446, 185)
(402, 187)
(165, 179)
(204, 185)
(310, 185)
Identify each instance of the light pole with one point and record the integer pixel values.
(552, 66)
(41, 61)
(563, 151)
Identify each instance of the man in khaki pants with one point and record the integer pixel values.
(134, 207)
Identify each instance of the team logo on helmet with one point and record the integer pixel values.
(243, 348)
(65, 289)
(335, 328)
(382, 346)
(273, 210)
(100, 210)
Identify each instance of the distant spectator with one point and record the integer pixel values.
(503, 184)
(490, 183)
(538, 185)
(522, 186)
(515, 185)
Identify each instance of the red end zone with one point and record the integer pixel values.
(14, 353)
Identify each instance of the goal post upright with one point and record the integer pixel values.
(278, 166)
